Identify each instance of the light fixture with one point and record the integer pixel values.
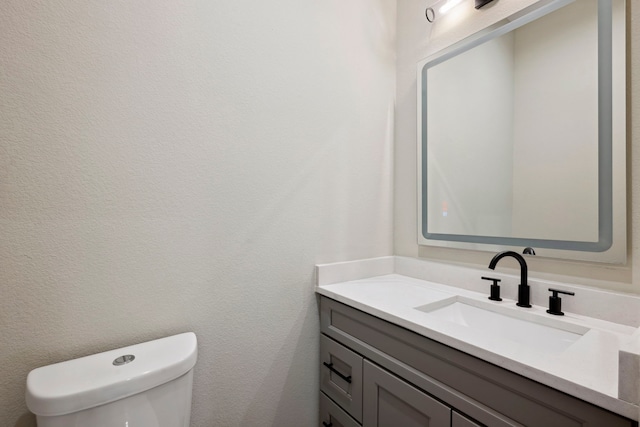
(480, 3)
(448, 5)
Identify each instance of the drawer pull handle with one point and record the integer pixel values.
(332, 369)
(327, 425)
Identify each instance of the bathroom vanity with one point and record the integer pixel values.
(382, 365)
(407, 342)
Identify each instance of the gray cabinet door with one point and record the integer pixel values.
(458, 420)
(389, 401)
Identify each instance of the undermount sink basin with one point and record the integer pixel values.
(547, 335)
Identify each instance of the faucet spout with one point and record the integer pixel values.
(523, 288)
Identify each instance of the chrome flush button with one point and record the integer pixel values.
(123, 360)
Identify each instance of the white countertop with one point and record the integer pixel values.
(588, 369)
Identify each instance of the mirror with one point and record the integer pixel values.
(521, 135)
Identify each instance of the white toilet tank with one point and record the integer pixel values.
(143, 385)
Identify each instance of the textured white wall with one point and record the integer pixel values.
(173, 166)
(417, 40)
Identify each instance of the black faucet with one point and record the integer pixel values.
(523, 288)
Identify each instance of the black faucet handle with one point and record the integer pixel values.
(495, 289)
(555, 302)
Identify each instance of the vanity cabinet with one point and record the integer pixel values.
(357, 392)
(377, 374)
(390, 401)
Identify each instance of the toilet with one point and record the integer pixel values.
(143, 385)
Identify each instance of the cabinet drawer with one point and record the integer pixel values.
(331, 415)
(391, 402)
(341, 376)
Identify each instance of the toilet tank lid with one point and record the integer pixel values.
(83, 383)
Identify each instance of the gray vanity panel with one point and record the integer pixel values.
(458, 420)
(347, 394)
(487, 393)
(333, 415)
(392, 402)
